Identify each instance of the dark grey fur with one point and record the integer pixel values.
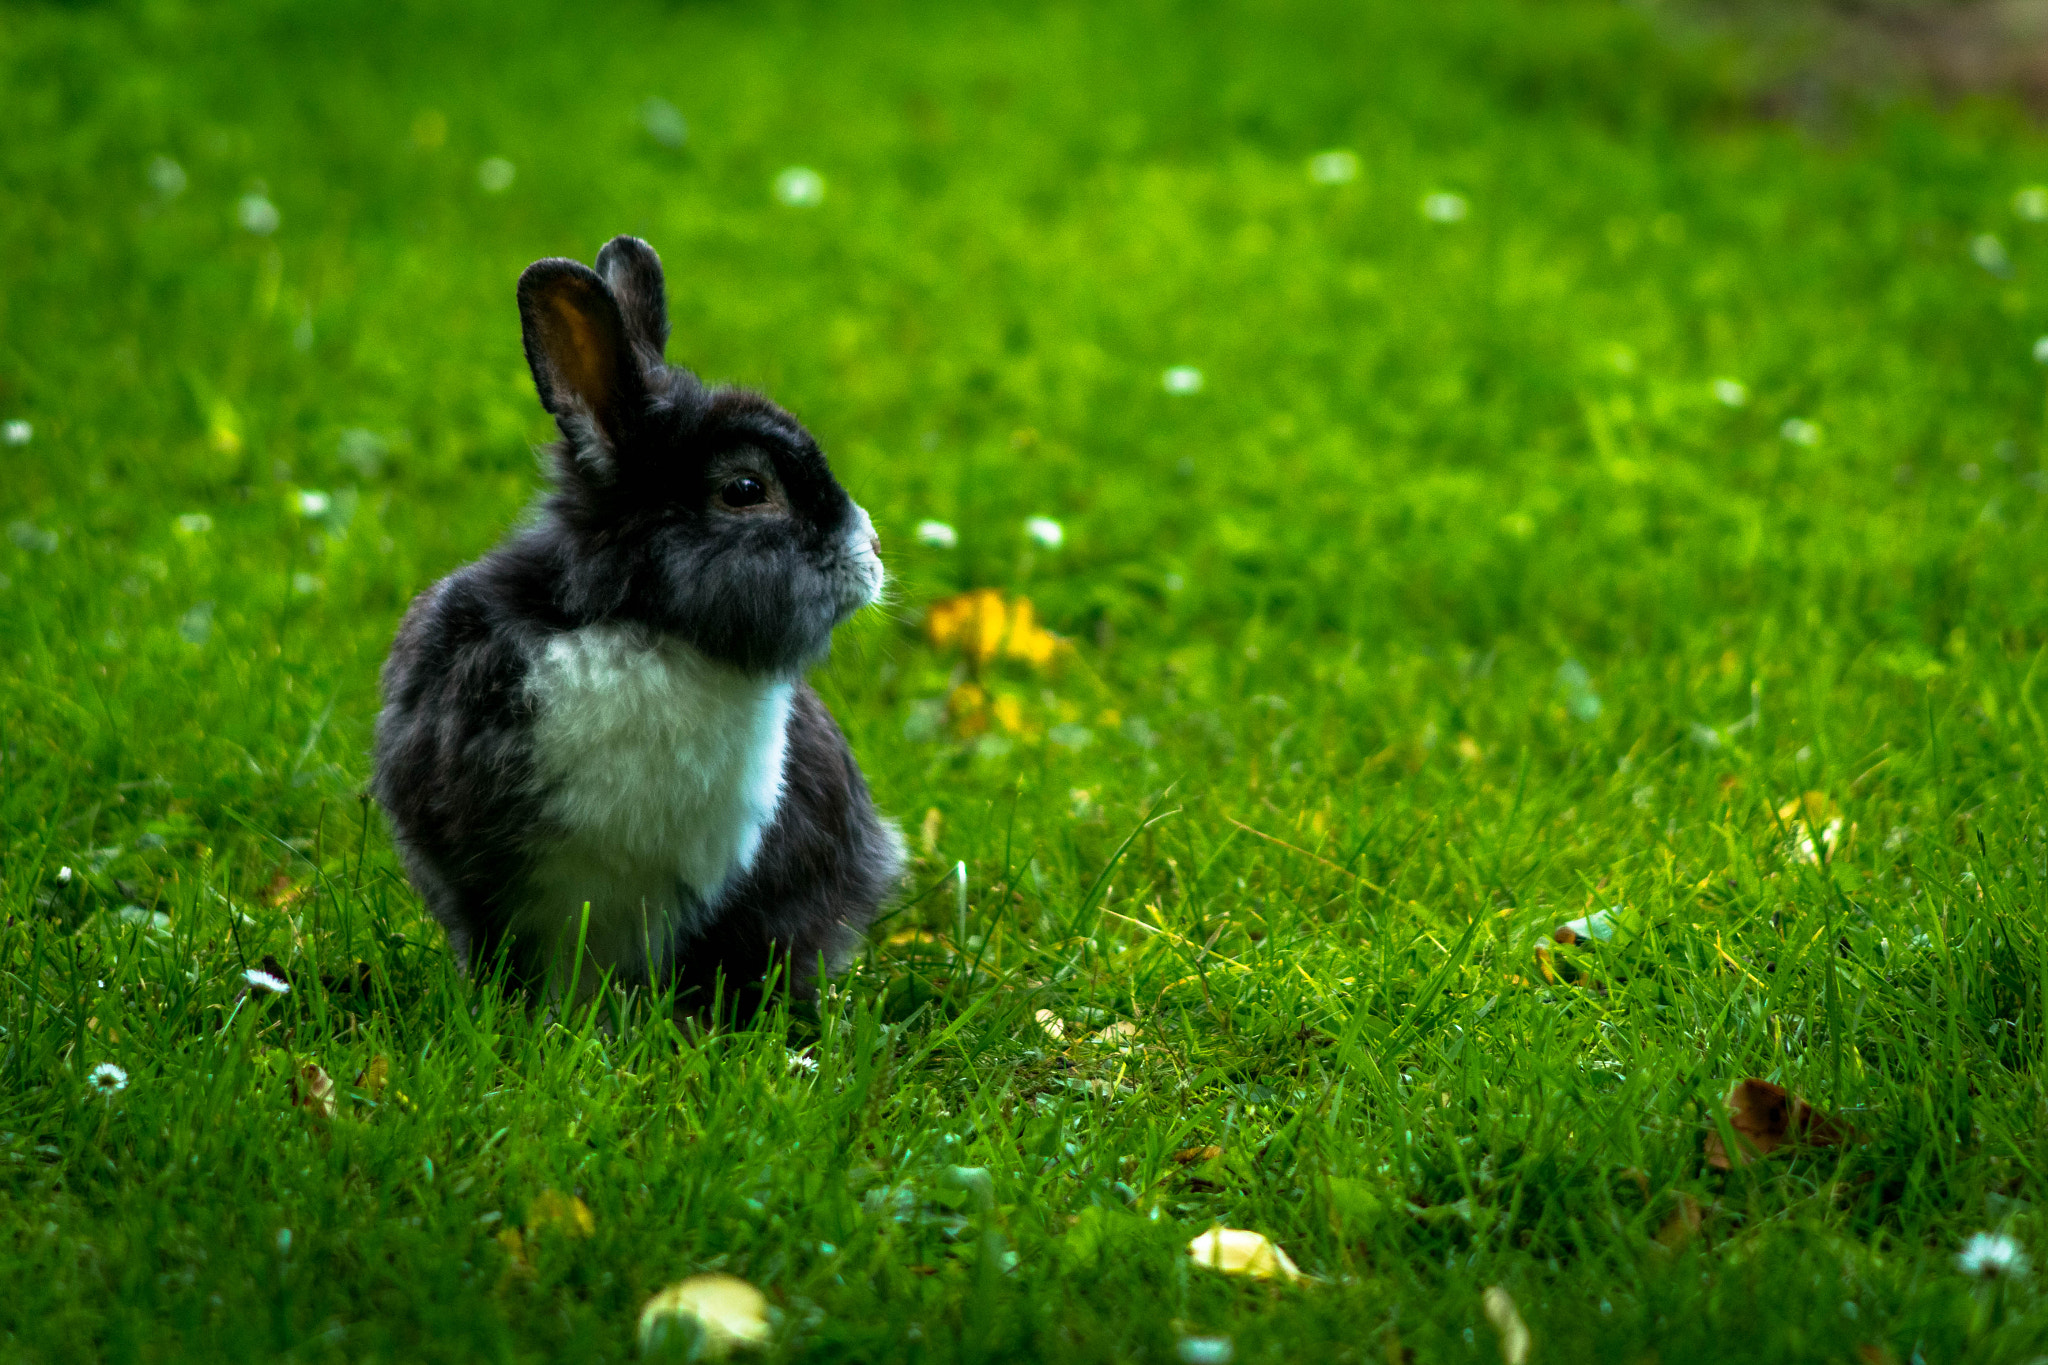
(632, 534)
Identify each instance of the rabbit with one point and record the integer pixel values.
(610, 709)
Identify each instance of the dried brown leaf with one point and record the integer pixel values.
(1766, 1117)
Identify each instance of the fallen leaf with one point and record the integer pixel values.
(1235, 1251)
(1052, 1024)
(723, 1312)
(561, 1214)
(1766, 1117)
(1507, 1323)
(1682, 1225)
(282, 893)
(1195, 1156)
(1123, 1031)
(375, 1076)
(516, 1264)
(313, 1091)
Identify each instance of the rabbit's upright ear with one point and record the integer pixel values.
(582, 359)
(632, 270)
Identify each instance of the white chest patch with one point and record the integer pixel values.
(661, 769)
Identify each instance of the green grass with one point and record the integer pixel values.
(1453, 606)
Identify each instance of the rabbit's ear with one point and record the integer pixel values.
(632, 270)
(576, 343)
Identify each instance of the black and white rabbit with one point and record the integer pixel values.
(610, 706)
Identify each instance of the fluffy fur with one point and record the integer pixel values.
(609, 707)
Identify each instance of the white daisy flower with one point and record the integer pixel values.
(799, 1062)
(1444, 207)
(800, 187)
(166, 177)
(1205, 1350)
(664, 122)
(262, 981)
(1182, 379)
(1045, 531)
(16, 432)
(494, 175)
(107, 1079)
(1992, 1256)
(1731, 393)
(257, 214)
(1800, 432)
(937, 534)
(1334, 167)
(1986, 250)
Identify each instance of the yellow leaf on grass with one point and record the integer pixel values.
(1236, 1251)
(723, 1312)
(1054, 1026)
(376, 1076)
(561, 1214)
(514, 1247)
(1507, 1324)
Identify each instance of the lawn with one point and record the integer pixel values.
(1501, 478)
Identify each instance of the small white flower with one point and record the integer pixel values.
(1731, 393)
(1987, 251)
(1444, 207)
(2031, 203)
(107, 1079)
(64, 876)
(664, 122)
(1800, 432)
(1992, 1256)
(799, 1062)
(494, 175)
(17, 432)
(1334, 167)
(937, 534)
(166, 177)
(260, 980)
(313, 503)
(1205, 1350)
(193, 524)
(800, 187)
(257, 214)
(1045, 531)
(2041, 350)
(1182, 379)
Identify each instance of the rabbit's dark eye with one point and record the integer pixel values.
(743, 493)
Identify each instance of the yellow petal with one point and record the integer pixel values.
(1234, 1251)
(728, 1312)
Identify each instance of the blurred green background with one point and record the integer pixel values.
(1504, 452)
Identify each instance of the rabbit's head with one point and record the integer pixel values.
(707, 513)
